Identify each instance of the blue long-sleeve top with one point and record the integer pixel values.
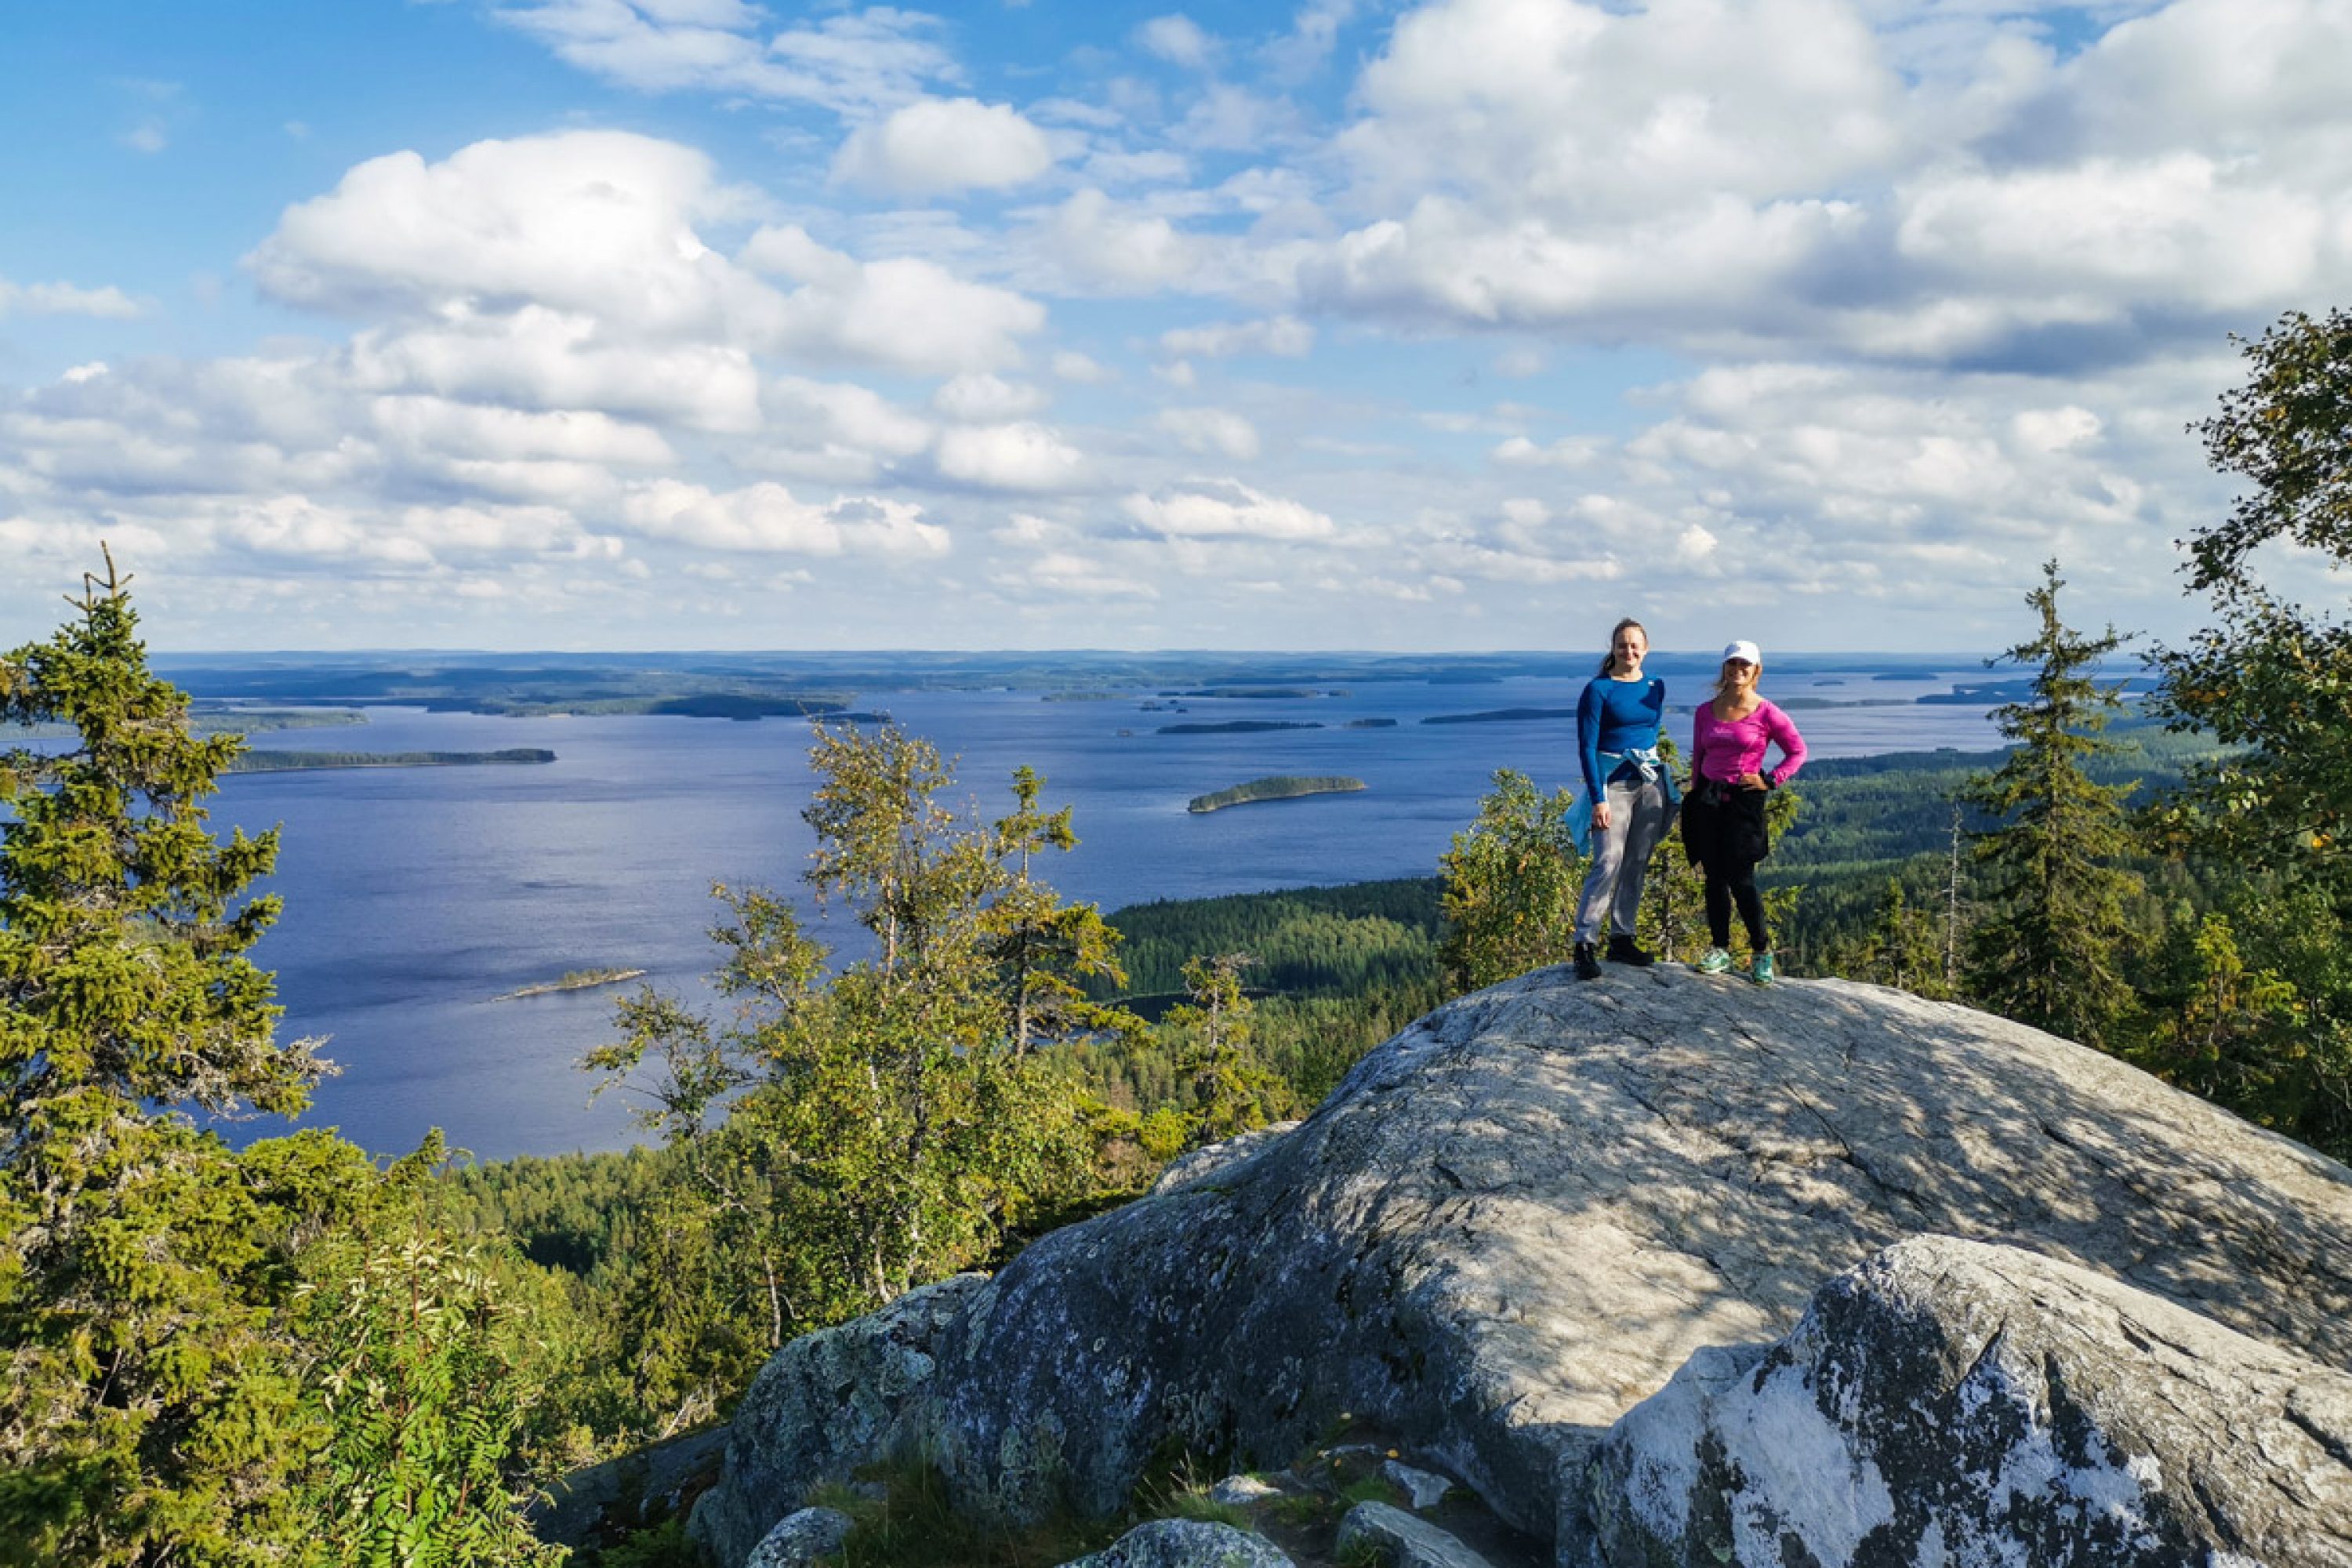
(1615, 716)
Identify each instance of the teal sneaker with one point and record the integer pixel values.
(1716, 962)
(1761, 971)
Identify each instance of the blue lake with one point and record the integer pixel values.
(415, 897)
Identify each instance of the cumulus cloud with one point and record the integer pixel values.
(1102, 243)
(979, 398)
(543, 358)
(940, 145)
(1212, 431)
(1016, 456)
(1225, 510)
(766, 519)
(596, 222)
(903, 312)
(65, 300)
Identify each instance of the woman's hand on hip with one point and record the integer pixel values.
(1751, 781)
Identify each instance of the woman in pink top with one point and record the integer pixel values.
(1723, 816)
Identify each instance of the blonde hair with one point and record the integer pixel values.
(1723, 681)
(1608, 659)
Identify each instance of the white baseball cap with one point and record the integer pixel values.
(1745, 652)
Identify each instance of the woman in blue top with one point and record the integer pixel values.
(1632, 793)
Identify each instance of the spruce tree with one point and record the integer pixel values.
(147, 1413)
(2051, 951)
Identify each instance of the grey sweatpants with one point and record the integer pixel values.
(1620, 854)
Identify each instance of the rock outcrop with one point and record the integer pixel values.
(1519, 1218)
(1951, 1402)
(1186, 1544)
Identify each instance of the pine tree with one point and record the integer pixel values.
(2051, 954)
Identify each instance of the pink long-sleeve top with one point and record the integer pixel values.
(1723, 751)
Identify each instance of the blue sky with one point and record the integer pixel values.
(1471, 323)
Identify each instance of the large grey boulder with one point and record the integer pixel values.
(1951, 1401)
(1186, 1544)
(1520, 1215)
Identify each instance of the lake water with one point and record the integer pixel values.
(415, 897)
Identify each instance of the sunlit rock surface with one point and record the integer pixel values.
(1519, 1218)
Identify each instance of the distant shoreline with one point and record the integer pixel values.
(321, 762)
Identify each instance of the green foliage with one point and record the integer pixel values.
(842, 1138)
(2051, 952)
(1346, 939)
(1233, 1090)
(415, 1357)
(146, 1410)
(1511, 881)
(172, 1393)
(2269, 677)
(1904, 947)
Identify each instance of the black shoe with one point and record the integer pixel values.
(1587, 966)
(1622, 948)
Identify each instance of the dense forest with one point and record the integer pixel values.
(290, 1353)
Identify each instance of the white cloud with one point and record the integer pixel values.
(1225, 510)
(1283, 336)
(543, 358)
(767, 519)
(65, 299)
(904, 313)
(595, 222)
(939, 145)
(979, 398)
(859, 60)
(1073, 366)
(1178, 40)
(1067, 575)
(1567, 452)
(1212, 431)
(1099, 242)
(1016, 456)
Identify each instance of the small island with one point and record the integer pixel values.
(573, 980)
(1503, 716)
(308, 761)
(1282, 787)
(1369, 725)
(1235, 727)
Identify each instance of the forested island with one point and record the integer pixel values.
(572, 980)
(310, 762)
(1238, 727)
(1280, 786)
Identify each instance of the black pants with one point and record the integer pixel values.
(1729, 883)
